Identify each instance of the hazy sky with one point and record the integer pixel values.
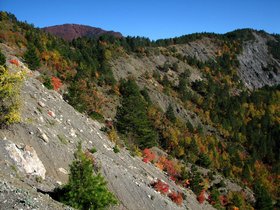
(151, 18)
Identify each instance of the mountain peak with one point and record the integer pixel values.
(74, 31)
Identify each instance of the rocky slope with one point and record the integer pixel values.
(35, 155)
(74, 31)
(255, 61)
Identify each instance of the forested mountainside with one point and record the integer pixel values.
(198, 107)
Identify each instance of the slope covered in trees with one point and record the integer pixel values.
(245, 125)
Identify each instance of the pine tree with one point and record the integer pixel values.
(2, 59)
(263, 199)
(31, 57)
(84, 190)
(170, 114)
(132, 116)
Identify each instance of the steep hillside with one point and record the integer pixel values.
(200, 112)
(74, 31)
(43, 144)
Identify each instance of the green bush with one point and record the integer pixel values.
(116, 149)
(2, 59)
(85, 190)
(31, 58)
(9, 97)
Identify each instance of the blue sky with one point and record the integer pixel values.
(151, 18)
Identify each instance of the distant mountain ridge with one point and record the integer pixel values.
(74, 31)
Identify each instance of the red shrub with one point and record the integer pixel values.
(148, 156)
(176, 197)
(161, 187)
(15, 62)
(201, 197)
(223, 200)
(56, 82)
(168, 166)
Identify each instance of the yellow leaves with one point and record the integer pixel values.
(172, 134)
(13, 116)
(107, 54)
(9, 93)
(180, 151)
(113, 136)
(262, 174)
(155, 115)
(236, 170)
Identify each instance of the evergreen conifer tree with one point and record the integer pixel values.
(31, 57)
(170, 114)
(2, 59)
(84, 190)
(263, 199)
(132, 116)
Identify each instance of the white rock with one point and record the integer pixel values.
(44, 137)
(41, 119)
(72, 132)
(62, 170)
(26, 160)
(41, 104)
(68, 122)
(59, 182)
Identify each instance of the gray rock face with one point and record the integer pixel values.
(254, 59)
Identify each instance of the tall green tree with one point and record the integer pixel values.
(170, 114)
(132, 117)
(2, 59)
(31, 57)
(84, 190)
(263, 199)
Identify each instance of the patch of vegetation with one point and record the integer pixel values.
(274, 48)
(116, 149)
(31, 57)
(132, 117)
(9, 96)
(84, 190)
(62, 138)
(2, 59)
(93, 150)
(241, 34)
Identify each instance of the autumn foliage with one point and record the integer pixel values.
(201, 197)
(148, 155)
(56, 82)
(223, 200)
(161, 187)
(176, 197)
(15, 62)
(168, 165)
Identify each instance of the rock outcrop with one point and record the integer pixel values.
(254, 62)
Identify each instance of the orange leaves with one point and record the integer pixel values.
(148, 155)
(56, 83)
(176, 197)
(201, 197)
(15, 62)
(161, 187)
(168, 165)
